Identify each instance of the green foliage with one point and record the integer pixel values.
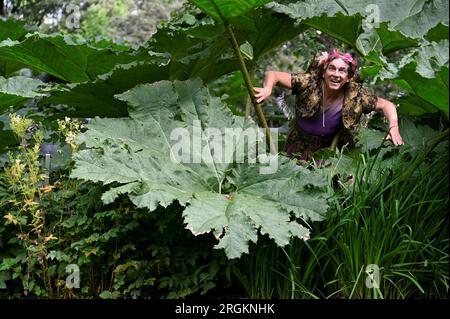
(227, 9)
(117, 254)
(15, 90)
(23, 211)
(428, 79)
(378, 28)
(120, 251)
(198, 47)
(96, 20)
(12, 29)
(389, 19)
(423, 74)
(202, 46)
(97, 98)
(33, 11)
(68, 58)
(372, 142)
(386, 222)
(377, 217)
(234, 201)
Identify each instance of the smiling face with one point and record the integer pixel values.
(336, 74)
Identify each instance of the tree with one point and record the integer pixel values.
(33, 11)
(131, 21)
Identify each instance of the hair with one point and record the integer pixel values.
(326, 57)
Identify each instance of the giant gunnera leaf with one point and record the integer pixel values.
(16, 90)
(227, 8)
(182, 144)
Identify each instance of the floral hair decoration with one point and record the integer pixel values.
(326, 57)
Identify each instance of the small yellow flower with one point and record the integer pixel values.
(46, 189)
(29, 202)
(19, 125)
(11, 219)
(50, 237)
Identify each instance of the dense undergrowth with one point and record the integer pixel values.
(94, 207)
(376, 217)
(378, 220)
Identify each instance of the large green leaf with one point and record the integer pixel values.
(71, 59)
(428, 59)
(344, 28)
(352, 21)
(434, 91)
(227, 8)
(265, 30)
(232, 198)
(328, 16)
(96, 98)
(395, 12)
(424, 75)
(418, 24)
(12, 29)
(16, 90)
(414, 105)
(385, 26)
(438, 33)
(199, 46)
(393, 40)
(369, 139)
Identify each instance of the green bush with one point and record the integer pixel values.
(120, 251)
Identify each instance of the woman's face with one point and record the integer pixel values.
(336, 75)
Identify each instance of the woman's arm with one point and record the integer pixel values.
(390, 112)
(271, 79)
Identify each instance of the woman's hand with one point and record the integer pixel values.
(394, 136)
(262, 93)
(271, 79)
(390, 112)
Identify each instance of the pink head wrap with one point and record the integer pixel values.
(327, 57)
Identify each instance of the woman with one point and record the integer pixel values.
(329, 98)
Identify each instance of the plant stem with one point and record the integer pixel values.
(247, 79)
(248, 100)
(248, 83)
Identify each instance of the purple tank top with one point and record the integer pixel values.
(315, 125)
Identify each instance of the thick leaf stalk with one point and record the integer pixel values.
(247, 78)
(249, 85)
(248, 100)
